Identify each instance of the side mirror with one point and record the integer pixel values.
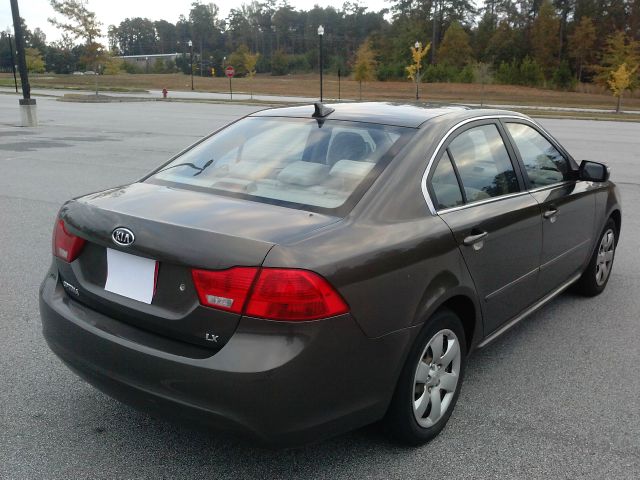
(593, 171)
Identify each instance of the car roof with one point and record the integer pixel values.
(385, 113)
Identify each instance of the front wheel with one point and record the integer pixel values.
(595, 277)
(430, 381)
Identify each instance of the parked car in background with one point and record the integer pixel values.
(308, 270)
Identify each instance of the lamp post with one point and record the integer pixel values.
(97, 72)
(418, 46)
(146, 64)
(320, 35)
(191, 47)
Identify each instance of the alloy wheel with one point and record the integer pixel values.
(436, 378)
(605, 257)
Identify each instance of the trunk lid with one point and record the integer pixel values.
(180, 229)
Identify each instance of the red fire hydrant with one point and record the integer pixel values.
(164, 93)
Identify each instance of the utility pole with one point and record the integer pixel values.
(27, 104)
(13, 62)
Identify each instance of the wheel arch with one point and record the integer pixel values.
(458, 298)
(616, 216)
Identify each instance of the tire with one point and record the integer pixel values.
(412, 418)
(596, 276)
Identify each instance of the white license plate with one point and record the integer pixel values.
(131, 276)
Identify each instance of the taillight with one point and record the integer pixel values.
(282, 294)
(65, 245)
(224, 289)
(270, 293)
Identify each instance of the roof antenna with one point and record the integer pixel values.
(321, 111)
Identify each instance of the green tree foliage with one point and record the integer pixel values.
(113, 65)
(237, 60)
(545, 35)
(279, 63)
(520, 40)
(455, 49)
(505, 45)
(79, 23)
(581, 44)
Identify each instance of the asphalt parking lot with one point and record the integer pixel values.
(556, 397)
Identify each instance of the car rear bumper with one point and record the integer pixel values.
(281, 383)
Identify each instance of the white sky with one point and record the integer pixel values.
(112, 12)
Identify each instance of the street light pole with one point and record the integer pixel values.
(191, 47)
(13, 62)
(321, 34)
(418, 46)
(97, 72)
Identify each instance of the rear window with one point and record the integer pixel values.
(303, 163)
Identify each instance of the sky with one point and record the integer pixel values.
(112, 12)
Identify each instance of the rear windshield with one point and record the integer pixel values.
(323, 166)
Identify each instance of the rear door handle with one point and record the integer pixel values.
(551, 213)
(472, 239)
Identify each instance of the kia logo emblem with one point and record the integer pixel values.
(123, 236)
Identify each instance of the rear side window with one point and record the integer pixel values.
(288, 161)
(483, 163)
(543, 163)
(445, 185)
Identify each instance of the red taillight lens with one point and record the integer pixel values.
(65, 245)
(283, 294)
(270, 293)
(224, 289)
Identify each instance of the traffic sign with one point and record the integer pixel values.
(230, 71)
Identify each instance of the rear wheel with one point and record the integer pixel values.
(430, 381)
(595, 277)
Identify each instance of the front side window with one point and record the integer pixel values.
(287, 161)
(483, 163)
(543, 163)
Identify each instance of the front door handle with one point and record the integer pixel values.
(474, 239)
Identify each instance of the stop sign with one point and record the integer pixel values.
(230, 71)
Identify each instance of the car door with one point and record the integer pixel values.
(568, 208)
(477, 190)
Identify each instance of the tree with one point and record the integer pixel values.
(35, 63)
(618, 49)
(621, 80)
(250, 60)
(544, 38)
(505, 45)
(81, 23)
(279, 63)
(413, 70)
(455, 50)
(113, 65)
(581, 43)
(364, 69)
(237, 60)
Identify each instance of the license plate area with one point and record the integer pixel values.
(131, 276)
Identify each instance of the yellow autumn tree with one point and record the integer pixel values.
(414, 70)
(250, 60)
(619, 81)
(35, 63)
(364, 69)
